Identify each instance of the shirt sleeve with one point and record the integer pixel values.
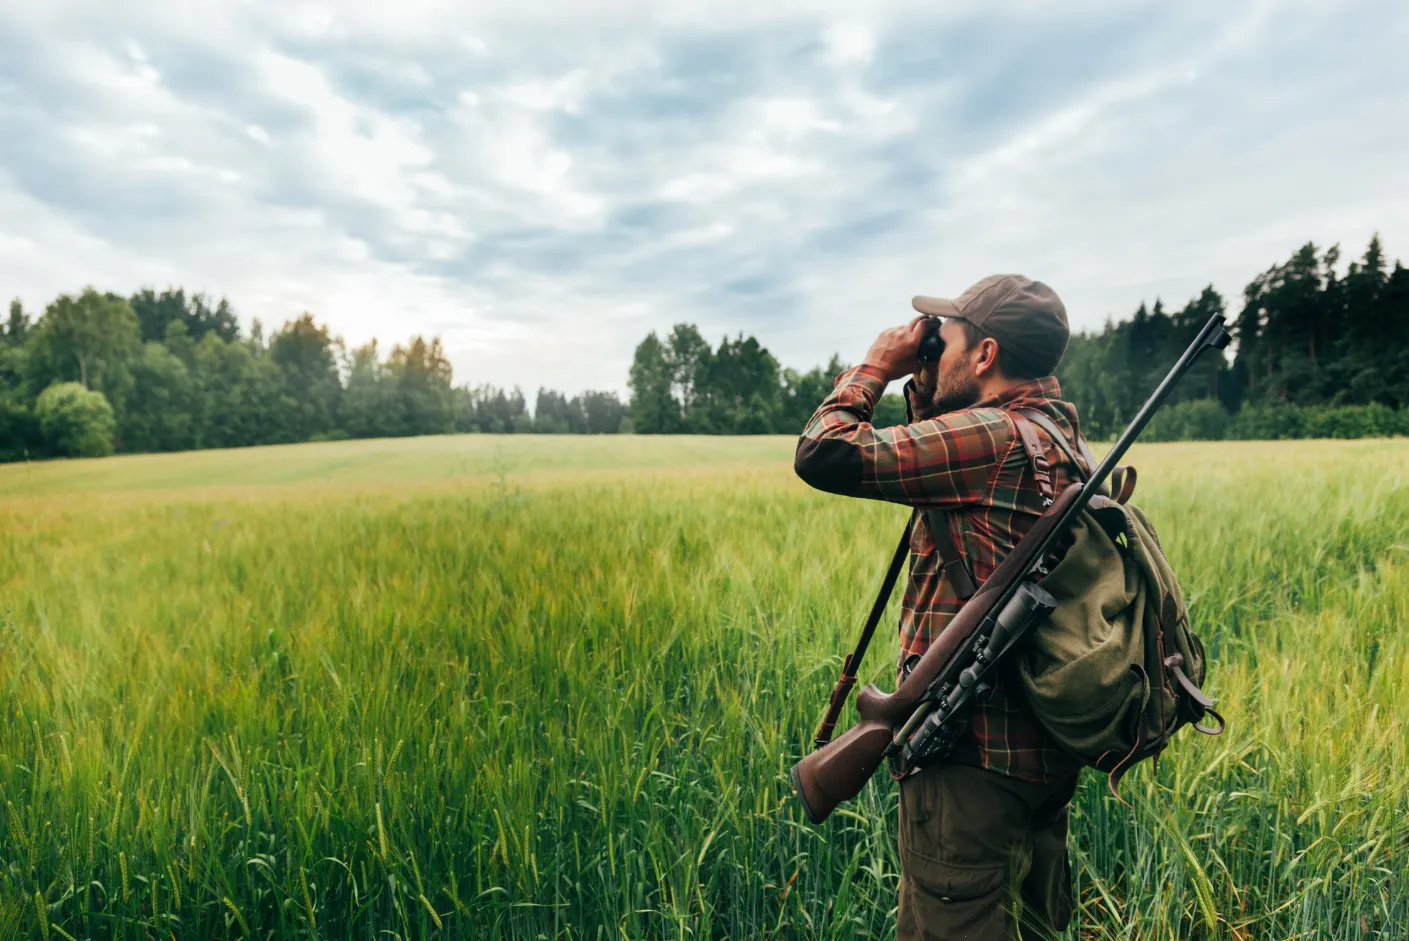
(945, 462)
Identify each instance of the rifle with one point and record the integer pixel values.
(916, 722)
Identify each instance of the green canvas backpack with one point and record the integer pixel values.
(1116, 670)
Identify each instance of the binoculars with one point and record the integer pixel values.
(931, 346)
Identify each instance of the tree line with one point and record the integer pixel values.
(168, 371)
(679, 385)
(1311, 342)
(1319, 351)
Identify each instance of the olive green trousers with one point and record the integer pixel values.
(983, 856)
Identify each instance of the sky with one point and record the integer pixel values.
(542, 184)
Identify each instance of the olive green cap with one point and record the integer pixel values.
(1026, 317)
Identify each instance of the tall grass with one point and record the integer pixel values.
(564, 707)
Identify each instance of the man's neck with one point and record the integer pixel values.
(991, 389)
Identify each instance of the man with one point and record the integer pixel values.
(983, 830)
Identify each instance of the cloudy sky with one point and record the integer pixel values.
(542, 183)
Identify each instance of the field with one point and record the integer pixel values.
(550, 688)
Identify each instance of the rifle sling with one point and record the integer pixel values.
(951, 560)
(853, 660)
(1061, 441)
(1041, 469)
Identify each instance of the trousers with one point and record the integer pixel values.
(983, 856)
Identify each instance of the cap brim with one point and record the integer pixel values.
(935, 306)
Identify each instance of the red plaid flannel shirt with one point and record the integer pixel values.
(971, 464)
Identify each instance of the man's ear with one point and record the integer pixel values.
(987, 362)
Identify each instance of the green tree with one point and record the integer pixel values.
(654, 409)
(1391, 319)
(17, 327)
(591, 413)
(491, 410)
(555, 414)
(737, 389)
(690, 360)
(1206, 378)
(602, 412)
(1307, 336)
(682, 385)
(307, 358)
(90, 339)
(1367, 342)
(19, 429)
(155, 312)
(372, 407)
(422, 376)
(20, 436)
(1084, 375)
(13, 368)
(159, 416)
(75, 421)
(241, 394)
(802, 392)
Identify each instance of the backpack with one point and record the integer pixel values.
(1116, 670)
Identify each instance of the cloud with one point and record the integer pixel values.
(849, 42)
(542, 186)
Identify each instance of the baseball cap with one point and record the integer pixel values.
(1026, 317)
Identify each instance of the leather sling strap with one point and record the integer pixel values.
(951, 560)
(1122, 482)
(1083, 464)
(853, 661)
(1041, 469)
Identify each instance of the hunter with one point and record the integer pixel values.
(983, 831)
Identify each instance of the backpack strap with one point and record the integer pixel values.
(1041, 469)
(1083, 464)
(1122, 478)
(951, 560)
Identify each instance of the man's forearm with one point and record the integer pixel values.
(829, 452)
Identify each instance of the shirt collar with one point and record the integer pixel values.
(1032, 391)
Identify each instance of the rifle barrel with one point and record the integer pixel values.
(1212, 336)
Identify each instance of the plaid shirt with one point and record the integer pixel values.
(971, 464)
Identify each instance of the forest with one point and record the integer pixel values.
(1319, 351)
(98, 373)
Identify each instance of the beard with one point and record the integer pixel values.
(954, 390)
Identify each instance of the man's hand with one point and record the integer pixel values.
(894, 350)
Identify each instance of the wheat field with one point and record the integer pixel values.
(547, 687)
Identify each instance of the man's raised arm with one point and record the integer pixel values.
(946, 461)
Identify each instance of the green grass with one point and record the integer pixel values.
(382, 462)
(521, 688)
